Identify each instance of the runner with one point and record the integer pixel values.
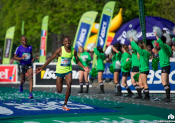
(125, 73)
(143, 57)
(100, 66)
(64, 67)
(116, 57)
(84, 58)
(23, 53)
(164, 56)
(135, 69)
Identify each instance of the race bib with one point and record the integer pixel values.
(27, 56)
(65, 61)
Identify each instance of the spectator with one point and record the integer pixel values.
(173, 51)
(150, 51)
(11, 61)
(157, 49)
(37, 58)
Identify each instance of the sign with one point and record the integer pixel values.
(154, 79)
(82, 35)
(8, 74)
(47, 77)
(84, 29)
(7, 48)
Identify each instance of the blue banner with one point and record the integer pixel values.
(103, 30)
(82, 35)
(154, 79)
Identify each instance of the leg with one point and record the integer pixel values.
(124, 83)
(81, 81)
(116, 81)
(100, 75)
(30, 74)
(139, 88)
(68, 78)
(59, 84)
(22, 82)
(165, 83)
(146, 88)
(86, 80)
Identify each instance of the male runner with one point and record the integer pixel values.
(23, 53)
(64, 67)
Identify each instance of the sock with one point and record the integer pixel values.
(118, 87)
(21, 84)
(81, 86)
(101, 86)
(87, 86)
(64, 104)
(143, 90)
(136, 87)
(128, 89)
(147, 93)
(167, 90)
(139, 92)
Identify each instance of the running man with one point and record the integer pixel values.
(23, 53)
(64, 67)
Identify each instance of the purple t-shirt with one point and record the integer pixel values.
(27, 51)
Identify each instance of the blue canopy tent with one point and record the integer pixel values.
(150, 21)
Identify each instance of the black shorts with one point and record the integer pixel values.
(145, 72)
(166, 69)
(126, 74)
(23, 68)
(81, 69)
(135, 69)
(100, 70)
(117, 70)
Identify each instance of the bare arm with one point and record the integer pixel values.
(53, 56)
(114, 49)
(17, 58)
(77, 60)
(33, 59)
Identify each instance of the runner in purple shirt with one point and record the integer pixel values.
(23, 53)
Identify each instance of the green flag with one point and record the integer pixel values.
(103, 31)
(8, 43)
(43, 44)
(22, 28)
(142, 19)
(84, 29)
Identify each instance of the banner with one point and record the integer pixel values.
(84, 29)
(142, 19)
(47, 77)
(8, 43)
(43, 44)
(105, 21)
(8, 74)
(22, 28)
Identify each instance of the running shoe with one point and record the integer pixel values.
(118, 94)
(167, 100)
(65, 108)
(20, 87)
(30, 96)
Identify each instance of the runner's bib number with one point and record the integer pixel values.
(65, 61)
(27, 56)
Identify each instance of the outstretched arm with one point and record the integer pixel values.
(48, 61)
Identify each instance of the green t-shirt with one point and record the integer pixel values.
(164, 53)
(134, 60)
(116, 57)
(84, 58)
(123, 60)
(101, 58)
(144, 57)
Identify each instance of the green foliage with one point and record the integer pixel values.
(64, 15)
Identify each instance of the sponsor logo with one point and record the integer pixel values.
(82, 37)
(50, 74)
(109, 9)
(7, 48)
(8, 74)
(103, 33)
(88, 18)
